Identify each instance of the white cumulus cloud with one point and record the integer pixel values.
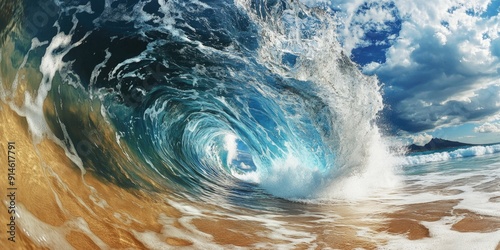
(488, 128)
(421, 139)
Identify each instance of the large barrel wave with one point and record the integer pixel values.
(214, 124)
(241, 98)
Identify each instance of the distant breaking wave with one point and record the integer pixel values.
(449, 155)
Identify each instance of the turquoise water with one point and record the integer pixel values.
(452, 160)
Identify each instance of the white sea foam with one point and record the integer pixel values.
(97, 69)
(53, 237)
(291, 178)
(362, 162)
(231, 147)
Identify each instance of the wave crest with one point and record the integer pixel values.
(455, 154)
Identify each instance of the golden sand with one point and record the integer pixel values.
(473, 222)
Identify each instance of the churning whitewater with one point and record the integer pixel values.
(252, 95)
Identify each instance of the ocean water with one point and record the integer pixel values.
(215, 124)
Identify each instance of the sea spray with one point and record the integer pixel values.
(352, 101)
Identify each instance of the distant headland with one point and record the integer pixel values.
(437, 144)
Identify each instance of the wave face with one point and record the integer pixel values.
(450, 155)
(204, 97)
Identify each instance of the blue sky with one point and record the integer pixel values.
(439, 62)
